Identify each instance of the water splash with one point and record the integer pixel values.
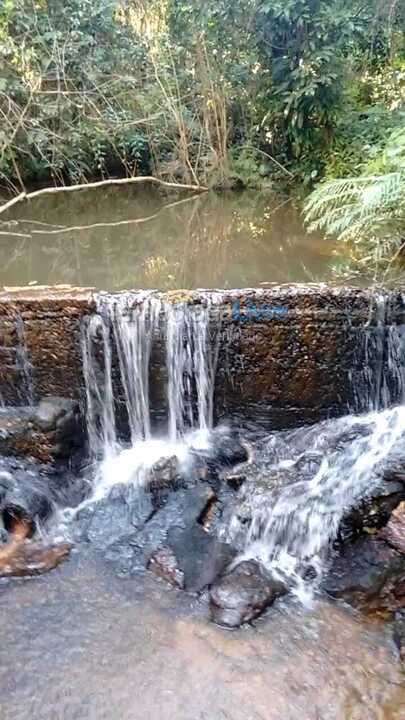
(292, 528)
(127, 325)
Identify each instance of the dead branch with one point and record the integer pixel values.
(77, 228)
(101, 183)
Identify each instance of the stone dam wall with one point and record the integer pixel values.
(288, 354)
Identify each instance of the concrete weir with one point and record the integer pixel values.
(287, 354)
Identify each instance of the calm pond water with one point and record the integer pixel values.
(121, 238)
(81, 644)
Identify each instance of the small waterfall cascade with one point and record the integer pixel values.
(127, 326)
(333, 466)
(291, 528)
(191, 363)
(24, 363)
(378, 373)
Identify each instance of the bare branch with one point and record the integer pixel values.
(101, 183)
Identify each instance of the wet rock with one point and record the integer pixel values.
(164, 564)
(368, 570)
(229, 449)
(164, 477)
(21, 500)
(200, 557)
(182, 509)
(164, 473)
(394, 532)
(119, 515)
(243, 594)
(373, 512)
(22, 559)
(49, 431)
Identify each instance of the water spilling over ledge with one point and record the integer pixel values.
(172, 385)
(286, 355)
(245, 447)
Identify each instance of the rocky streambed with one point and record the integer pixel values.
(200, 526)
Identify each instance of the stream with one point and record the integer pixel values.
(104, 635)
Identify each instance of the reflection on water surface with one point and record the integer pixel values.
(123, 238)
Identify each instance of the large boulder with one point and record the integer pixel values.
(193, 559)
(243, 594)
(367, 574)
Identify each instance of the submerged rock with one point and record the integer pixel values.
(367, 574)
(243, 594)
(22, 559)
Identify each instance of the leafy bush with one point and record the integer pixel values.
(367, 211)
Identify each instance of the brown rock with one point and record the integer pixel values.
(394, 532)
(22, 559)
(243, 594)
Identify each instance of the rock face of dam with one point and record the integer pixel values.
(284, 355)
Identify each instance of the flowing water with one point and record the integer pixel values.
(83, 643)
(123, 238)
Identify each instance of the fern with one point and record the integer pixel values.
(365, 210)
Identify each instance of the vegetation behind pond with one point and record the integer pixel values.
(224, 93)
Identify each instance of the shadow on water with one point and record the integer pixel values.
(81, 644)
(124, 238)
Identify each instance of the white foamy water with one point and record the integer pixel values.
(292, 529)
(132, 466)
(128, 325)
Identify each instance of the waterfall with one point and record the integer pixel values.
(332, 466)
(98, 384)
(378, 373)
(128, 325)
(291, 529)
(23, 362)
(191, 363)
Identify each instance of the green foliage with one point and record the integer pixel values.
(220, 92)
(367, 211)
(67, 66)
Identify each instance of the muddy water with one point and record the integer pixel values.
(122, 238)
(82, 644)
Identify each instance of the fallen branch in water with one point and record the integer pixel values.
(76, 228)
(100, 183)
(12, 202)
